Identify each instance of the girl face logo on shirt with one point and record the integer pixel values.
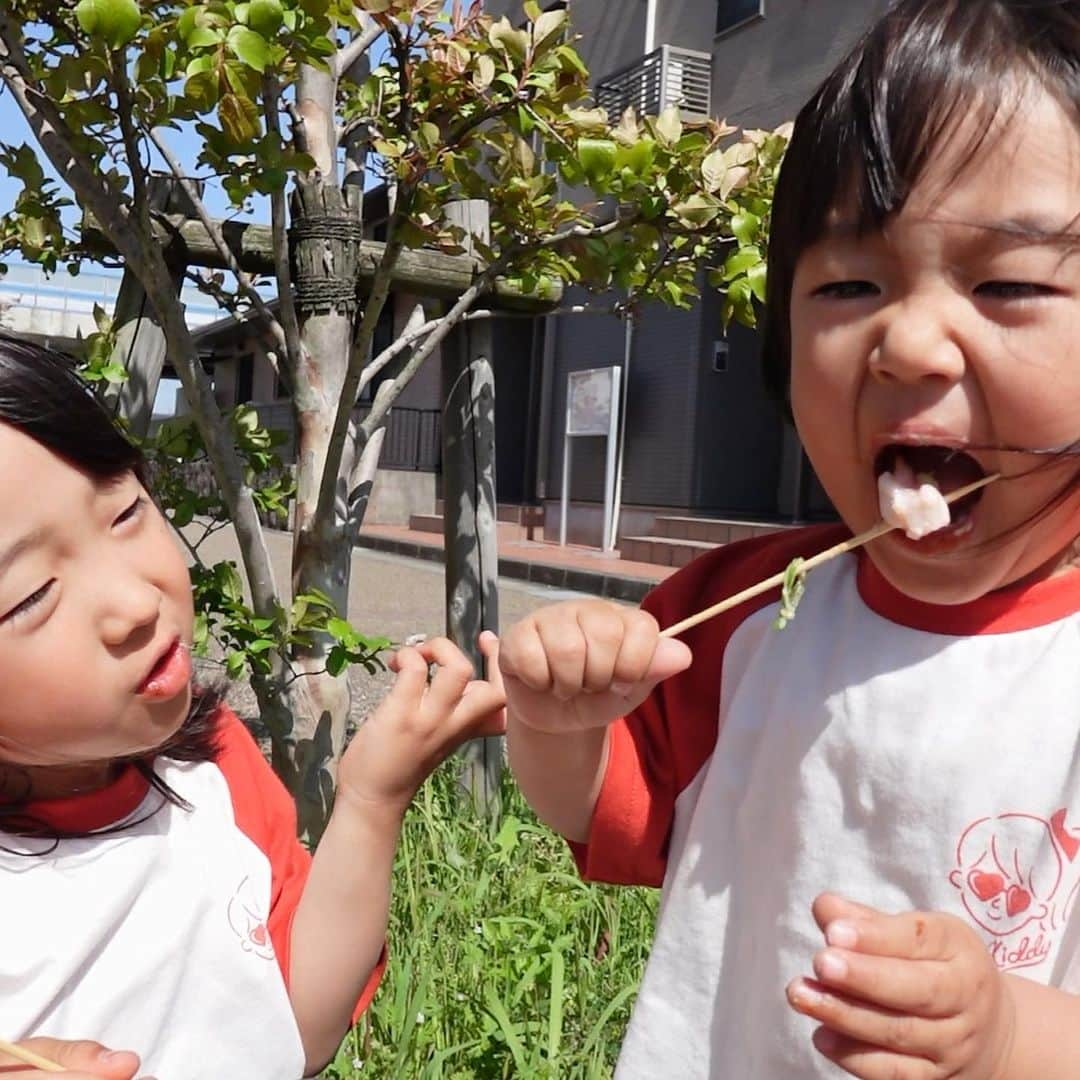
(1016, 882)
(247, 918)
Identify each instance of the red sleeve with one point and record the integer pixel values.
(265, 813)
(658, 749)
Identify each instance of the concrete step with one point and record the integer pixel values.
(662, 550)
(433, 523)
(511, 513)
(710, 530)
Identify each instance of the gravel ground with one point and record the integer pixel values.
(391, 595)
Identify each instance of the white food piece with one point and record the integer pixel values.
(907, 503)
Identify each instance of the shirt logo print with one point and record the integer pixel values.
(246, 915)
(1017, 876)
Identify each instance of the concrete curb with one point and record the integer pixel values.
(610, 586)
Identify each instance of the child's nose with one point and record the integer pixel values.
(129, 603)
(917, 345)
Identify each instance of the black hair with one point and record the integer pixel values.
(43, 396)
(869, 131)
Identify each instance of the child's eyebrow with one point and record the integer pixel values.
(14, 550)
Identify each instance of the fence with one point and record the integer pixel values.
(413, 436)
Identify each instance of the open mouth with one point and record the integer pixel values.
(949, 468)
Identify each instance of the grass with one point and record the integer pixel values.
(502, 962)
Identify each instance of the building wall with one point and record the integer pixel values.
(765, 70)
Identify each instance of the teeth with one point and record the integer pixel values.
(911, 503)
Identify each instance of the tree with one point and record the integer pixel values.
(286, 103)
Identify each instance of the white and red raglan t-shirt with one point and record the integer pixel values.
(907, 755)
(170, 938)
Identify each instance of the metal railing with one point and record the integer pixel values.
(413, 436)
(667, 76)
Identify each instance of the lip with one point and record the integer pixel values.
(169, 674)
(919, 435)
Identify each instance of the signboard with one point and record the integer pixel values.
(592, 408)
(590, 401)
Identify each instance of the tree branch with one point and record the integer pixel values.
(350, 53)
(125, 111)
(214, 230)
(289, 321)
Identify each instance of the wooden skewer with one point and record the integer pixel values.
(816, 560)
(28, 1057)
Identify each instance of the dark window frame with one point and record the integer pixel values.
(732, 14)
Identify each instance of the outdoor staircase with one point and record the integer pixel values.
(513, 522)
(675, 541)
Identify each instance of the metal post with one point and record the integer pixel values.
(611, 466)
(565, 502)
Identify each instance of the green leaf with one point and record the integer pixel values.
(503, 36)
(115, 22)
(597, 158)
(757, 277)
(265, 17)
(203, 37)
(337, 660)
(547, 29)
(250, 47)
(745, 227)
(669, 125)
(235, 663)
(740, 261)
(239, 118)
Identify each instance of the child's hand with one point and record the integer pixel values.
(581, 664)
(418, 725)
(81, 1060)
(913, 996)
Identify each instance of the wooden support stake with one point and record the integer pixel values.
(140, 341)
(469, 510)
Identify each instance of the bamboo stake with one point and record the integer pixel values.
(822, 557)
(28, 1057)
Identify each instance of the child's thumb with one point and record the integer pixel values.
(85, 1057)
(671, 657)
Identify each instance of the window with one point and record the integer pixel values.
(732, 13)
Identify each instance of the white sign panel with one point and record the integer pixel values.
(590, 401)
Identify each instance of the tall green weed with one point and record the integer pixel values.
(502, 962)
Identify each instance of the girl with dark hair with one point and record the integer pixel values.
(156, 897)
(923, 318)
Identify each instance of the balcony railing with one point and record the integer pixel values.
(667, 76)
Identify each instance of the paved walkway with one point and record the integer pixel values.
(580, 569)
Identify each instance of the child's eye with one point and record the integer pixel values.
(28, 605)
(1013, 290)
(847, 290)
(131, 511)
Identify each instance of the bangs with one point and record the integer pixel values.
(866, 137)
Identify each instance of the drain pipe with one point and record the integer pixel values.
(650, 26)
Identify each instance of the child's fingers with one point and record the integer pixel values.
(481, 711)
(913, 935)
(602, 631)
(455, 672)
(917, 988)
(489, 648)
(564, 646)
(866, 1022)
(522, 657)
(412, 674)
(868, 1062)
(828, 907)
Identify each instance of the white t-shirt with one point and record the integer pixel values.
(905, 755)
(170, 938)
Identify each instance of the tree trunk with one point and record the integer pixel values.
(325, 239)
